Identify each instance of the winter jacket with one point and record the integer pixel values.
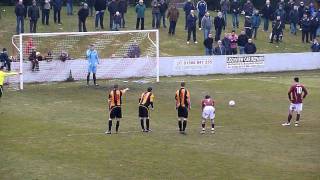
(267, 12)
(113, 7)
(83, 14)
(277, 27)
(294, 16)
(235, 7)
(19, 10)
(305, 25)
(315, 47)
(173, 14)
(57, 4)
(301, 10)
(191, 21)
(188, 6)
(90, 3)
(248, 23)
(248, 9)
(314, 23)
(140, 9)
(242, 40)
(227, 44)
(219, 23)
(224, 6)
(123, 6)
(117, 19)
(201, 8)
(100, 5)
(250, 48)
(281, 13)
(256, 21)
(155, 7)
(163, 7)
(34, 12)
(233, 41)
(208, 43)
(206, 22)
(220, 50)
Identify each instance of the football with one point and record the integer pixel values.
(232, 103)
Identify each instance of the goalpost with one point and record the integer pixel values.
(122, 54)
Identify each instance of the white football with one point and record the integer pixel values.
(232, 103)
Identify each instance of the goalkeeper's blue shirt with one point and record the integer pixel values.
(93, 58)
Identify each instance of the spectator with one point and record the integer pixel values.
(57, 5)
(235, 10)
(64, 56)
(4, 58)
(123, 5)
(280, 12)
(163, 10)
(318, 16)
(39, 57)
(220, 49)
(255, 23)
(315, 47)
(112, 8)
(280, 3)
(301, 10)
(305, 26)
(242, 41)
(248, 26)
(34, 15)
(192, 23)
(233, 42)
(206, 24)
(90, 5)
(312, 9)
(100, 6)
(267, 13)
(34, 60)
(227, 44)
(314, 23)
(294, 19)
(225, 6)
(248, 8)
(155, 14)
(46, 12)
(48, 57)
(69, 7)
(219, 24)
(288, 8)
(140, 9)
(208, 43)
(134, 50)
(202, 9)
(250, 47)
(188, 6)
(173, 15)
(20, 13)
(116, 21)
(276, 30)
(83, 13)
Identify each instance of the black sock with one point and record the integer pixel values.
(142, 124)
(147, 123)
(110, 125)
(117, 126)
(212, 125)
(184, 125)
(298, 117)
(203, 125)
(88, 78)
(94, 78)
(289, 118)
(180, 125)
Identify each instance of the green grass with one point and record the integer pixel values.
(169, 46)
(55, 131)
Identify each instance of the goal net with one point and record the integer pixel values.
(50, 57)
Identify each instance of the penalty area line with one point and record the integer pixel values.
(237, 78)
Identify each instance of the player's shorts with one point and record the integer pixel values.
(143, 112)
(182, 112)
(92, 68)
(208, 112)
(115, 112)
(295, 107)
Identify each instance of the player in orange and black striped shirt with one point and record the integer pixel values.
(183, 104)
(115, 101)
(146, 99)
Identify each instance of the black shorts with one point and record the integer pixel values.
(115, 113)
(182, 112)
(143, 112)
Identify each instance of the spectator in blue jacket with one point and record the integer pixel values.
(235, 10)
(225, 5)
(202, 9)
(192, 24)
(255, 23)
(69, 7)
(140, 9)
(33, 14)
(20, 12)
(100, 6)
(57, 5)
(112, 8)
(315, 47)
(188, 6)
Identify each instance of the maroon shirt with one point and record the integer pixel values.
(297, 93)
(207, 102)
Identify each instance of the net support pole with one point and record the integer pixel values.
(158, 54)
(21, 61)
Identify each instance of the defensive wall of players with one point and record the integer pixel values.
(171, 66)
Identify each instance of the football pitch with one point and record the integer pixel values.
(56, 131)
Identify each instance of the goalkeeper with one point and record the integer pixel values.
(2, 76)
(93, 61)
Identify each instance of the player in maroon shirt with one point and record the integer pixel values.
(296, 94)
(208, 112)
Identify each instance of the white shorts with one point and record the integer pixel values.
(208, 112)
(295, 107)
